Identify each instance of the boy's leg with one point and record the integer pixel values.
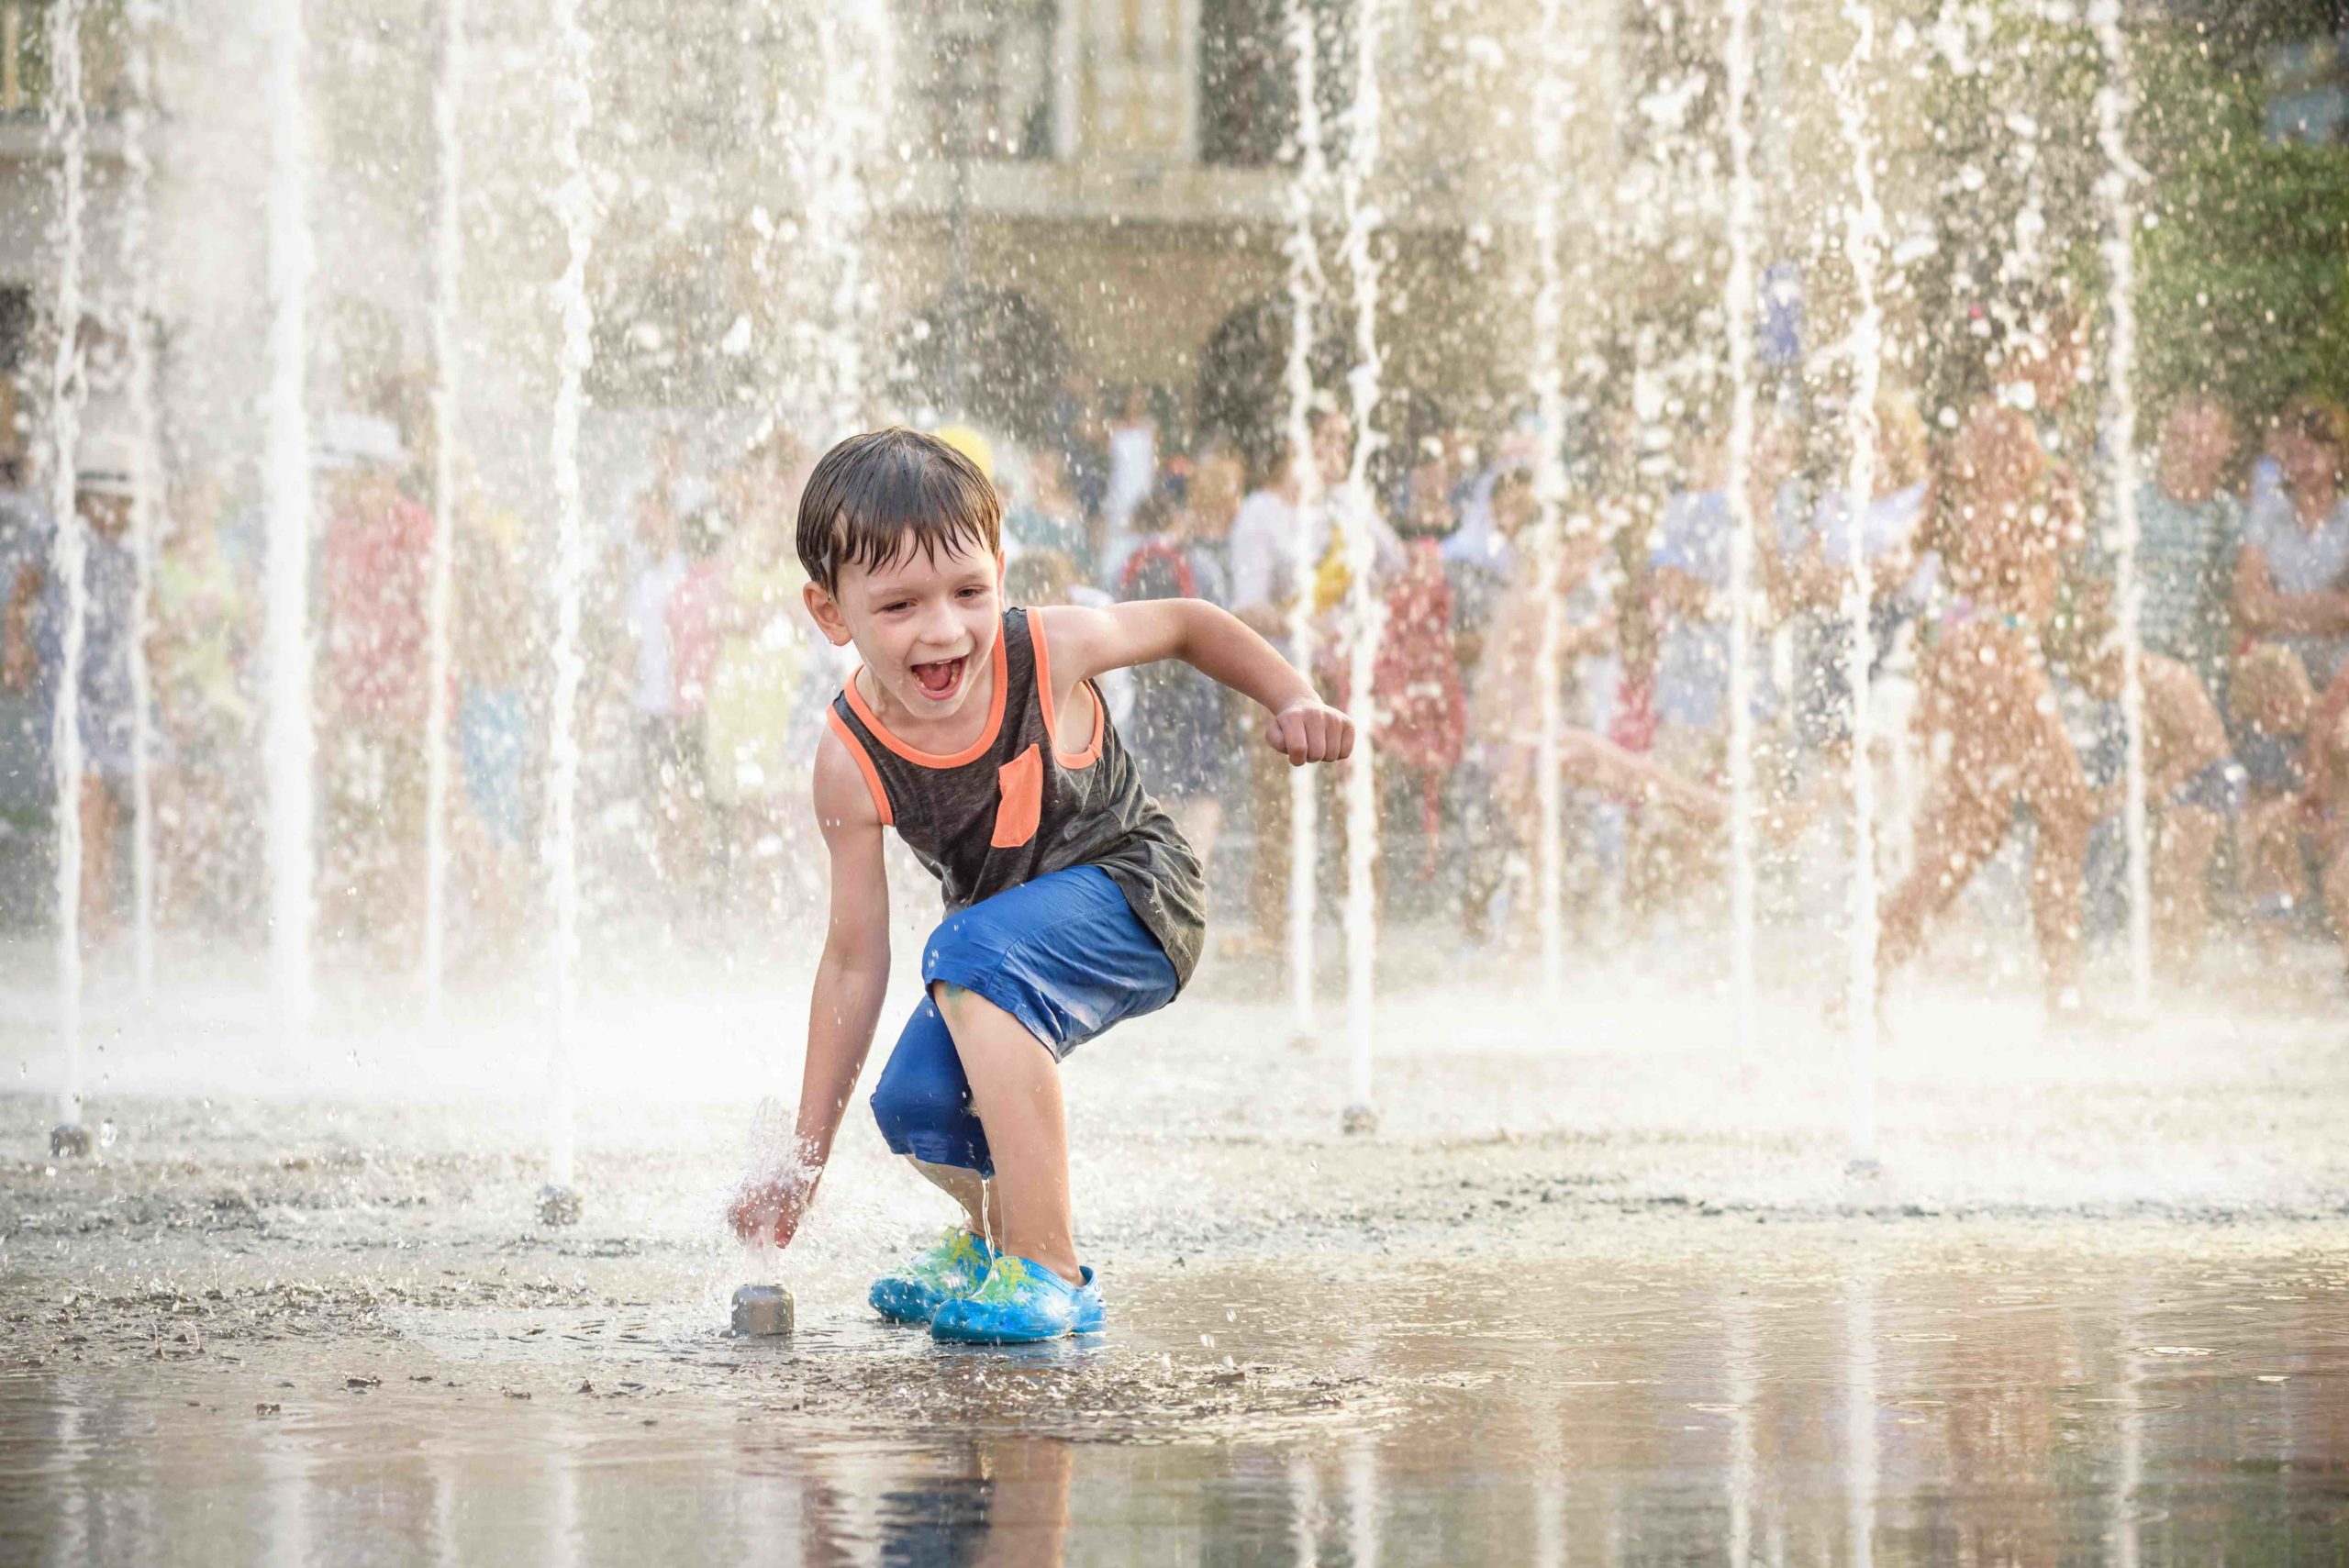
(1015, 1087)
(923, 1105)
(982, 1205)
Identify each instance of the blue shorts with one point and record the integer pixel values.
(1063, 954)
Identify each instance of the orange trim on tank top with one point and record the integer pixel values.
(969, 754)
(1092, 753)
(864, 766)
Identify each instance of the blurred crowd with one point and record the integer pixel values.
(1973, 585)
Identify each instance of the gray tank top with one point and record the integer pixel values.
(1012, 807)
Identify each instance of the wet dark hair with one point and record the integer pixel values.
(875, 496)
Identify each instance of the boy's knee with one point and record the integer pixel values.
(911, 1110)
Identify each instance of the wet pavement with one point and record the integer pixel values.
(1592, 1293)
(1842, 1397)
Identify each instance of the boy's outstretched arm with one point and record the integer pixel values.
(849, 980)
(1085, 642)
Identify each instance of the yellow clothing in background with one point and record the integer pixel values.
(754, 685)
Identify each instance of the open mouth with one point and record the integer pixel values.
(940, 679)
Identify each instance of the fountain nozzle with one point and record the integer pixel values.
(762, 1311)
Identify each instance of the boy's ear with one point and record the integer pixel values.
(827, 613)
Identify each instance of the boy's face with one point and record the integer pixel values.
(924, 626)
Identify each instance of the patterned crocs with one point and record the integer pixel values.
(1020, 1303)
(949, 1269)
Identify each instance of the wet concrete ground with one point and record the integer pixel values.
(1593, 1293)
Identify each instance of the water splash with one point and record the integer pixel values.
(1364, 610)
(68, 130)
(1738, 312)
(448, 261)
(1863, 243)
(1552, 103)
(147, 476)
(574, 202)
(2115, 102)
(1307, 288)
(844, 136)
(290, 742)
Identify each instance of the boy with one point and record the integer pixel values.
(1073, 902)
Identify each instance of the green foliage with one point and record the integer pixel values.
(2244, 286)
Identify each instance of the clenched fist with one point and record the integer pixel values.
(1310, 730)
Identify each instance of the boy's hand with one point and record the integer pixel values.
(772, 1201)
(1310, 730)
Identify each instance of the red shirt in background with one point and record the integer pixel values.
(378, 556)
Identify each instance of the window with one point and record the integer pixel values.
(1247, 79)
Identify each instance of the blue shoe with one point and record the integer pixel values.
(949, 1269)
(1020, 1303)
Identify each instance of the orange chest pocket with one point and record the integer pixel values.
(1016, 815)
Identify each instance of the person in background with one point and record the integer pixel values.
(2291, 576)
(206, 628)
(1176, 729)
(1809, 569)
(1048, 516)
(1502, 717)
(762, 660)
(2272, 701)
(375, 564)
(2189, 532)
(1266, 579)
(35, 629)
(1984, 684)
(2195, 790)
(1134, 477)
(698, 609)
(1421, 707)
(656, 564)
(493, 728)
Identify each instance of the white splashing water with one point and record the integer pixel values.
(1863, 244)
(845, 135)
(68, 128)
(448, 262)
(1365, 612)
(2114, 104)
(1738, 313)
(574, 202)
(290, 742)
(147, 476)
(1552, 103)
(1307, 288)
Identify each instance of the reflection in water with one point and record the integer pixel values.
(2129, 1473)
(1003, 1503)
(1744, 1391)
(1811, 1415)
(1304, 1510)
(1362, 1502)
(1859, 1417)
(286, 1477)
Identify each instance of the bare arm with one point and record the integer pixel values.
(2182, 726)
(1217, 643)
(16, 628)
(850, 978)
(2264, 612)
